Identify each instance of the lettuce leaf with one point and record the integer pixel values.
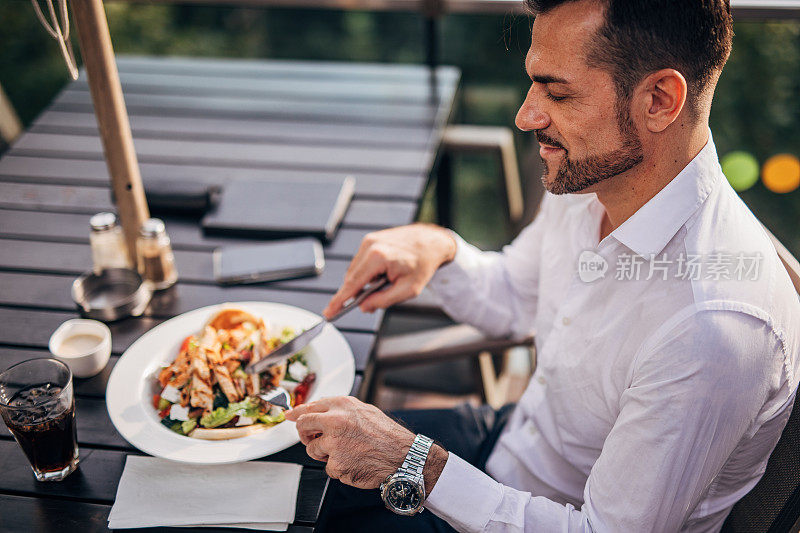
(223, 415)
(188, 425)
(268, 419)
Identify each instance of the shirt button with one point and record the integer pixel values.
(566, 321)
(541, 380)
(532, 429)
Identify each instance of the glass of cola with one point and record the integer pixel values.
(37, 405)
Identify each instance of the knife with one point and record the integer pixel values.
(301, 341)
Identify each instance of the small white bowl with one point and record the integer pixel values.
(83, 345)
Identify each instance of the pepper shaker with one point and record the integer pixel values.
(156, 261)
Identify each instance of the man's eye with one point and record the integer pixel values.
(555, 98)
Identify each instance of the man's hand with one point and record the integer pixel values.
(408, 256)
(361, 444)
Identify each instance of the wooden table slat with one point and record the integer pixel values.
(53, 291)
(259, 108)
(286, 69)
(220, 129)
(33, 327)
(99, 472)
(193, 266)
(89, 200)
(42, 515)
(45, 515)
(184, 233)
(93, 387)
(94, 425)
(334, 158)
(61, 171)
(333, 88)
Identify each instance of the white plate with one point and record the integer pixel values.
(132, 384)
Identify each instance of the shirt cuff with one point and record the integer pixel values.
(452, 278)
(464, 496)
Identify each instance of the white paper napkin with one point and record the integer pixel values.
(156, 492)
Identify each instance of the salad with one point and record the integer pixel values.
(205, 392)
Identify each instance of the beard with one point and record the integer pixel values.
(577, 175)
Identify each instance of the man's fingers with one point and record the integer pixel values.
(336, 302)
(310, 426)
(399, 291)
(307, 437)
(318, 406)
(348, 287)
(347, 290)
(334, 470)
(351, 286)
(353, 283)
(312, 422)
(317, 449)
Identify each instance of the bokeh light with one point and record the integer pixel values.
(741, 169)
(781, 173)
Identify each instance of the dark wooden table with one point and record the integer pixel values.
(208, 120)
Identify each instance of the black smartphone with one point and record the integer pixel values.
(271, 261)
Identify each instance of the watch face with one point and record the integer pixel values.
(403, 495)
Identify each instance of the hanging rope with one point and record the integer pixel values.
(54, 29)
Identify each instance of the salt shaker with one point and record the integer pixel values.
(154, 255)
(108, 243)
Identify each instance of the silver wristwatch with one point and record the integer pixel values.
(404, 491)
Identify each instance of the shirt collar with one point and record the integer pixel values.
(650, 228)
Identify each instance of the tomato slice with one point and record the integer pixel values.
(186, 341)
(156, 400)
(301, 391)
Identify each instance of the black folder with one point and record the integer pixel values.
(273, 208)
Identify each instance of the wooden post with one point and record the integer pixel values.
(112, 117)
(10, 127)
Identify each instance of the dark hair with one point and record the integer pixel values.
(642, 36)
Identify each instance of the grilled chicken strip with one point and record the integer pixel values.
(225, 383)
(200, 365)
(253, 386)
(202, 395)
(277, 373)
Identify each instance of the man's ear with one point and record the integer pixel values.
(663, 95)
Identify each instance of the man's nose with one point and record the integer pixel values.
(530, 115)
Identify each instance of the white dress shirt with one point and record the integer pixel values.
(667, 363)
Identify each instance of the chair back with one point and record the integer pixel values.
(773, 505)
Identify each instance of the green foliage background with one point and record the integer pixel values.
(756, 107)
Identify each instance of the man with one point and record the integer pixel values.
(666, 326)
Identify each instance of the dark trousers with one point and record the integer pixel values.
(466, 431)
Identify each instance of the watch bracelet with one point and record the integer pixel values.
(414, 463)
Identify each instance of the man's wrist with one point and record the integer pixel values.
(437, 458)
(452, 247)
(444, 242)
(449, 246)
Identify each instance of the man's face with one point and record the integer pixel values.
(573, 108)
